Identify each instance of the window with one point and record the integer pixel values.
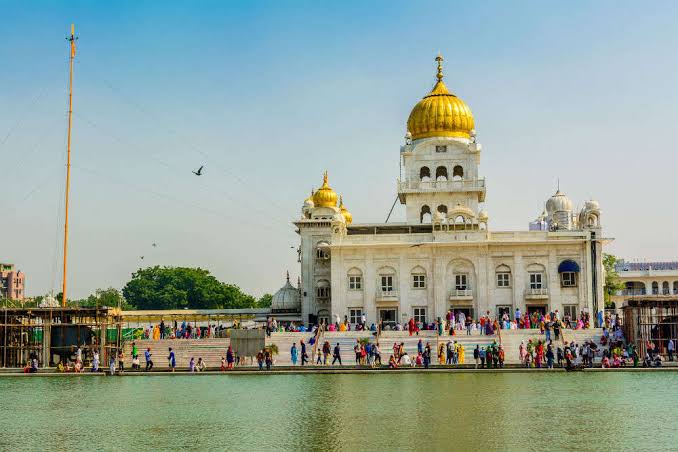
(355, 315)
(419, 315)
(355, 282)
(568, 279)
(321, 253)
(386, 283)
(536, 280)
(440, 148)
(460, 282)
(457, 172)
(503, 279)
(323, 292)
(570, 310)
(419, 281)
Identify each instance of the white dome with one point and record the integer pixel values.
(558, 203)
(591, 205)
(483, 216)
(309, 203)
(287, 298)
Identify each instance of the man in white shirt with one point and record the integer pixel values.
(671, 347)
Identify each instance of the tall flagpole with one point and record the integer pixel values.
(71, 39)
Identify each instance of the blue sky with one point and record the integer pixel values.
(269, 94)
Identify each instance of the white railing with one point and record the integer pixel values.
(460, 185)
(632, 292)
(540, 291)
(382, 293)
(461, 293)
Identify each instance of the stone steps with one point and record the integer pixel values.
(211, 350)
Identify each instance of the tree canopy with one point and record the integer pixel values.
(182, 287)
(612, 281)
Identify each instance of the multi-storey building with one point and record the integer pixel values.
(11, 282)
(445, 255)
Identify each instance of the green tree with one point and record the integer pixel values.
(182, 287)
(612, 281)
(265, 301)
(110, 297)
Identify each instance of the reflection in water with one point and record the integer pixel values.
(536, 411)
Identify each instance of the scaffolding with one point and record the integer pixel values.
(651, 320)
(51, 335)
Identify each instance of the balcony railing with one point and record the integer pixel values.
(451, 185)
(461, 293)
(385, 293)
(537, 292)
(632, 292)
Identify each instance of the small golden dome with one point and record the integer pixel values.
(309, 201)
(440, 113)
(325, 196)
(344, 211)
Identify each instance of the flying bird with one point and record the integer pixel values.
(154, 245)
(142, 257)
(199, 172)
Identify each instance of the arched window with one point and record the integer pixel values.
(442, 209)
(459, 219)
(425, 174)
(322, 290)
(537, 277)
(665, 288)
(655, 288)
(503, 273)
(425, 215)
(675, 287)
(418, 277)
(441, 173)
(355, 279)
(457, 173)
(387, 283)
(322, 250)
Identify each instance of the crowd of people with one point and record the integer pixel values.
(547, 350)
(185, 330)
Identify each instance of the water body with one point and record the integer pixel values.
(502, 411)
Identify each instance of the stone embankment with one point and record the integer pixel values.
(211, 350)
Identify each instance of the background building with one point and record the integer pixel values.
(645, 280)
(445, 256)
(11, 282)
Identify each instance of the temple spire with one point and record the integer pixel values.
(440, 59)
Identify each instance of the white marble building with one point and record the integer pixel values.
(445, 255)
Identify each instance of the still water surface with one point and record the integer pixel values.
(580, 411)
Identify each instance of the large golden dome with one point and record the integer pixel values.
(325, 196)
(440, 113)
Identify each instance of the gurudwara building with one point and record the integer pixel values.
(445, 256)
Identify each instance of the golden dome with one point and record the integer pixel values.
(325, 196)
(440, 113)
(344, 211)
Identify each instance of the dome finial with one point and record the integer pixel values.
(288, 276)
(325, 178)
(440, 59)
